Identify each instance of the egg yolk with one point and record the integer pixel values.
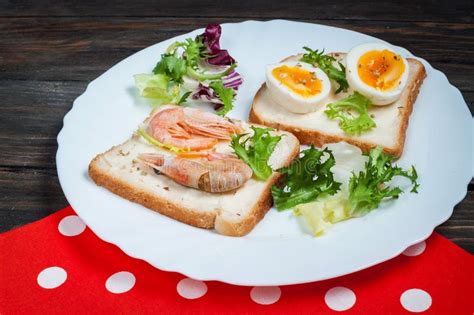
(303, 82)
(381, 69)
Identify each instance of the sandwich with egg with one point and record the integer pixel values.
(363, 97)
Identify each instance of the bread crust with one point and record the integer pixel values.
(207, 220)
(261, 207)
(163, 206)
(318, 138)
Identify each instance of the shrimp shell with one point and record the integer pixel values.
(215, 173)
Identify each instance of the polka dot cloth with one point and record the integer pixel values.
(71, 225)
(340, 298)
(415, 250)
(51, 277)
(120, 282)
(415, 300)
(265, 295)
(191, 289)
(62, 267)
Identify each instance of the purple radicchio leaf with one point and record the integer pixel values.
(206, 94)
(210, 38)
(232, 80)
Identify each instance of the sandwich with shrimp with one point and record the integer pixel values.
(199, 168)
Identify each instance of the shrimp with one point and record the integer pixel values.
(211, 172)
(191, 128)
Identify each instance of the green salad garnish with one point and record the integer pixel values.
(333, 68)
(305, 179)
(352, 113)
(255, 150)
(368, 188)
(194, 69)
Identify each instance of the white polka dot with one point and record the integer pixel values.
(191, 289)
(265, 295)
(71, 226)
(340, 298)
(415, 300)
(51, 277)
(415, 250)
(120, 282)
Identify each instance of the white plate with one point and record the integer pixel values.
(276, 252)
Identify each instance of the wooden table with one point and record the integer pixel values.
(49, 52)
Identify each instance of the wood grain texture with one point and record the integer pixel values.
(50, 51)
(366, 10)
(49, 44)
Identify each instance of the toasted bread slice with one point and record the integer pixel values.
(315, 128)
(233, 213)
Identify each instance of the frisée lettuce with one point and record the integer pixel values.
(370, 187)
(364, 192)
(255, 150)
(305, 179)
(345, 111)
(190, 69)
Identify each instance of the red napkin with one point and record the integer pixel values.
(57, 265)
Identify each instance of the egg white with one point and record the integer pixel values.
(377, 97)
(292, 101)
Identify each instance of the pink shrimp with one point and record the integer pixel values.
(190, 128)
(211, 172)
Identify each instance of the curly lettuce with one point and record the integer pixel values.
(328, 64)
(193, 69)
(369, 187)
(306, 179)
(366, 190)
(255, 150)
(225, 95)
(352, 113)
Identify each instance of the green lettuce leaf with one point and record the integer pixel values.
(368, 188)
(256, 150)
(366, 191)
(184, 97)
(171, 66)
(194, 51)
(226, 95)
(327, 64)
(306, 178)
(157, 87)
(345, 109)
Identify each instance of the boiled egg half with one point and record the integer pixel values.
(297, 86)
(377, 72)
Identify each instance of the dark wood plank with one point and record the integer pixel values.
(28, 195)
(83, 48)
(31, 117)
(460, 227)
(323, 10)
